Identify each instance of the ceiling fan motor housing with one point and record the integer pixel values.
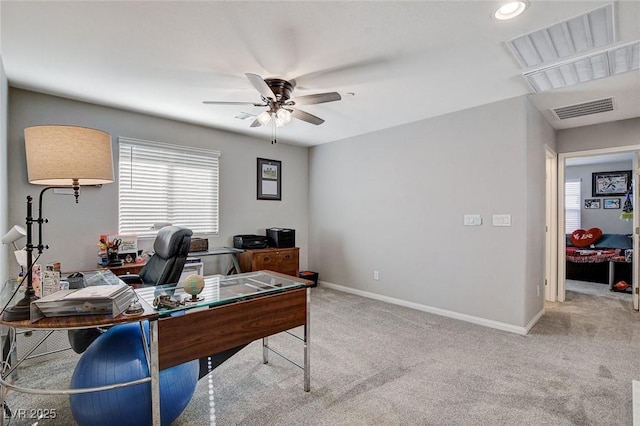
(281, 88)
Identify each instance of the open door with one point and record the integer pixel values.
(636, 229)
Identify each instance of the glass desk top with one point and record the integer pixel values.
(218, 290)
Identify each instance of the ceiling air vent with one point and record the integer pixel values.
(586, 108)
(564, 39)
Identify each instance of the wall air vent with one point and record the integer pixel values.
(586, 108)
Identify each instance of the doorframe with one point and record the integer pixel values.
(635, 264)
(559, 292)
(551, 225)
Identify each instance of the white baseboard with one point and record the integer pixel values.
(636, 402)
(438, 311)
(534, 320)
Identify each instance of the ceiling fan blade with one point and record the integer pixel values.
(353, 72)
(305, 116)
(318, 98)
(261, 86)
(232, 103)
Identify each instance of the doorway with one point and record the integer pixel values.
(591, 209)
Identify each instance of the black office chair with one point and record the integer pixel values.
(171, 248)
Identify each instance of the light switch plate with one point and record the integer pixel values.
(501, 220)
(472, 220)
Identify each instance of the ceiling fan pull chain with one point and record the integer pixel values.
(273, 132)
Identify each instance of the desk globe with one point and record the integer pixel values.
(193, 285)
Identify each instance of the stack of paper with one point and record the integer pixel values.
(93, 300)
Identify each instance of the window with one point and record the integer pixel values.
(166, 183)
(572, 207)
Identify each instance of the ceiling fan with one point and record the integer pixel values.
(276, 96)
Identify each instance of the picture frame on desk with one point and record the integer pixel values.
(269, 179)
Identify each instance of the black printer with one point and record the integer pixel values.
(249, 242)
(281, 237)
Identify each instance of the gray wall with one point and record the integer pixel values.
(606, 135)
(74, 229)
(4, 178)
(606, 219)
(539, 133)
(394, 201)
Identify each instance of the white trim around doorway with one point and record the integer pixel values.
(559, 291)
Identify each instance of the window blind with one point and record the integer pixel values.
(572, 206)
(167, 183)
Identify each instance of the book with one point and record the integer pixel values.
(109, 300)
(96, 292)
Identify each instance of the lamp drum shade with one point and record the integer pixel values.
(58, 155)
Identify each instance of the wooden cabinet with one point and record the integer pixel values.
(283, 260)
(127, 268)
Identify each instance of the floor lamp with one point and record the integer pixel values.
(59, 157)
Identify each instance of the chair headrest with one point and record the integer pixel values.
(168, 240)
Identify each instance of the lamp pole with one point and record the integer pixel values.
(22, 309)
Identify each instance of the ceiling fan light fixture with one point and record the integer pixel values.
(283, 116)
(264, 117)
(510, 10)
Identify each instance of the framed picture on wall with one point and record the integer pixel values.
(269, 179)
(610, 183)
(592, 203)
(611, 203)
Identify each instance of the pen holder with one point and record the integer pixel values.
(112, 255)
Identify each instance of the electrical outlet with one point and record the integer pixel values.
(376, 275)
(538, 288)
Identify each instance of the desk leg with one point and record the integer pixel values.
(236, 265)
(307, 345)
(9, 359)
(154, 372)
(612, 266)
(265, 350)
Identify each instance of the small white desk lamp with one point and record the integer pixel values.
(16, 233)
(61, 156)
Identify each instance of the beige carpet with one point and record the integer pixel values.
(379, 364)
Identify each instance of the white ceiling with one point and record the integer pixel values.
(404, 61)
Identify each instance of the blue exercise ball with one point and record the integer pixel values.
(118, 356)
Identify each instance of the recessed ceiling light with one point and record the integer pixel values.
(510, 10)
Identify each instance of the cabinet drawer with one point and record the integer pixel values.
(277, 259)
(283, 260)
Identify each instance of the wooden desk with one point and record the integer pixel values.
(127, 268)
(238, 310)
(230, 318)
